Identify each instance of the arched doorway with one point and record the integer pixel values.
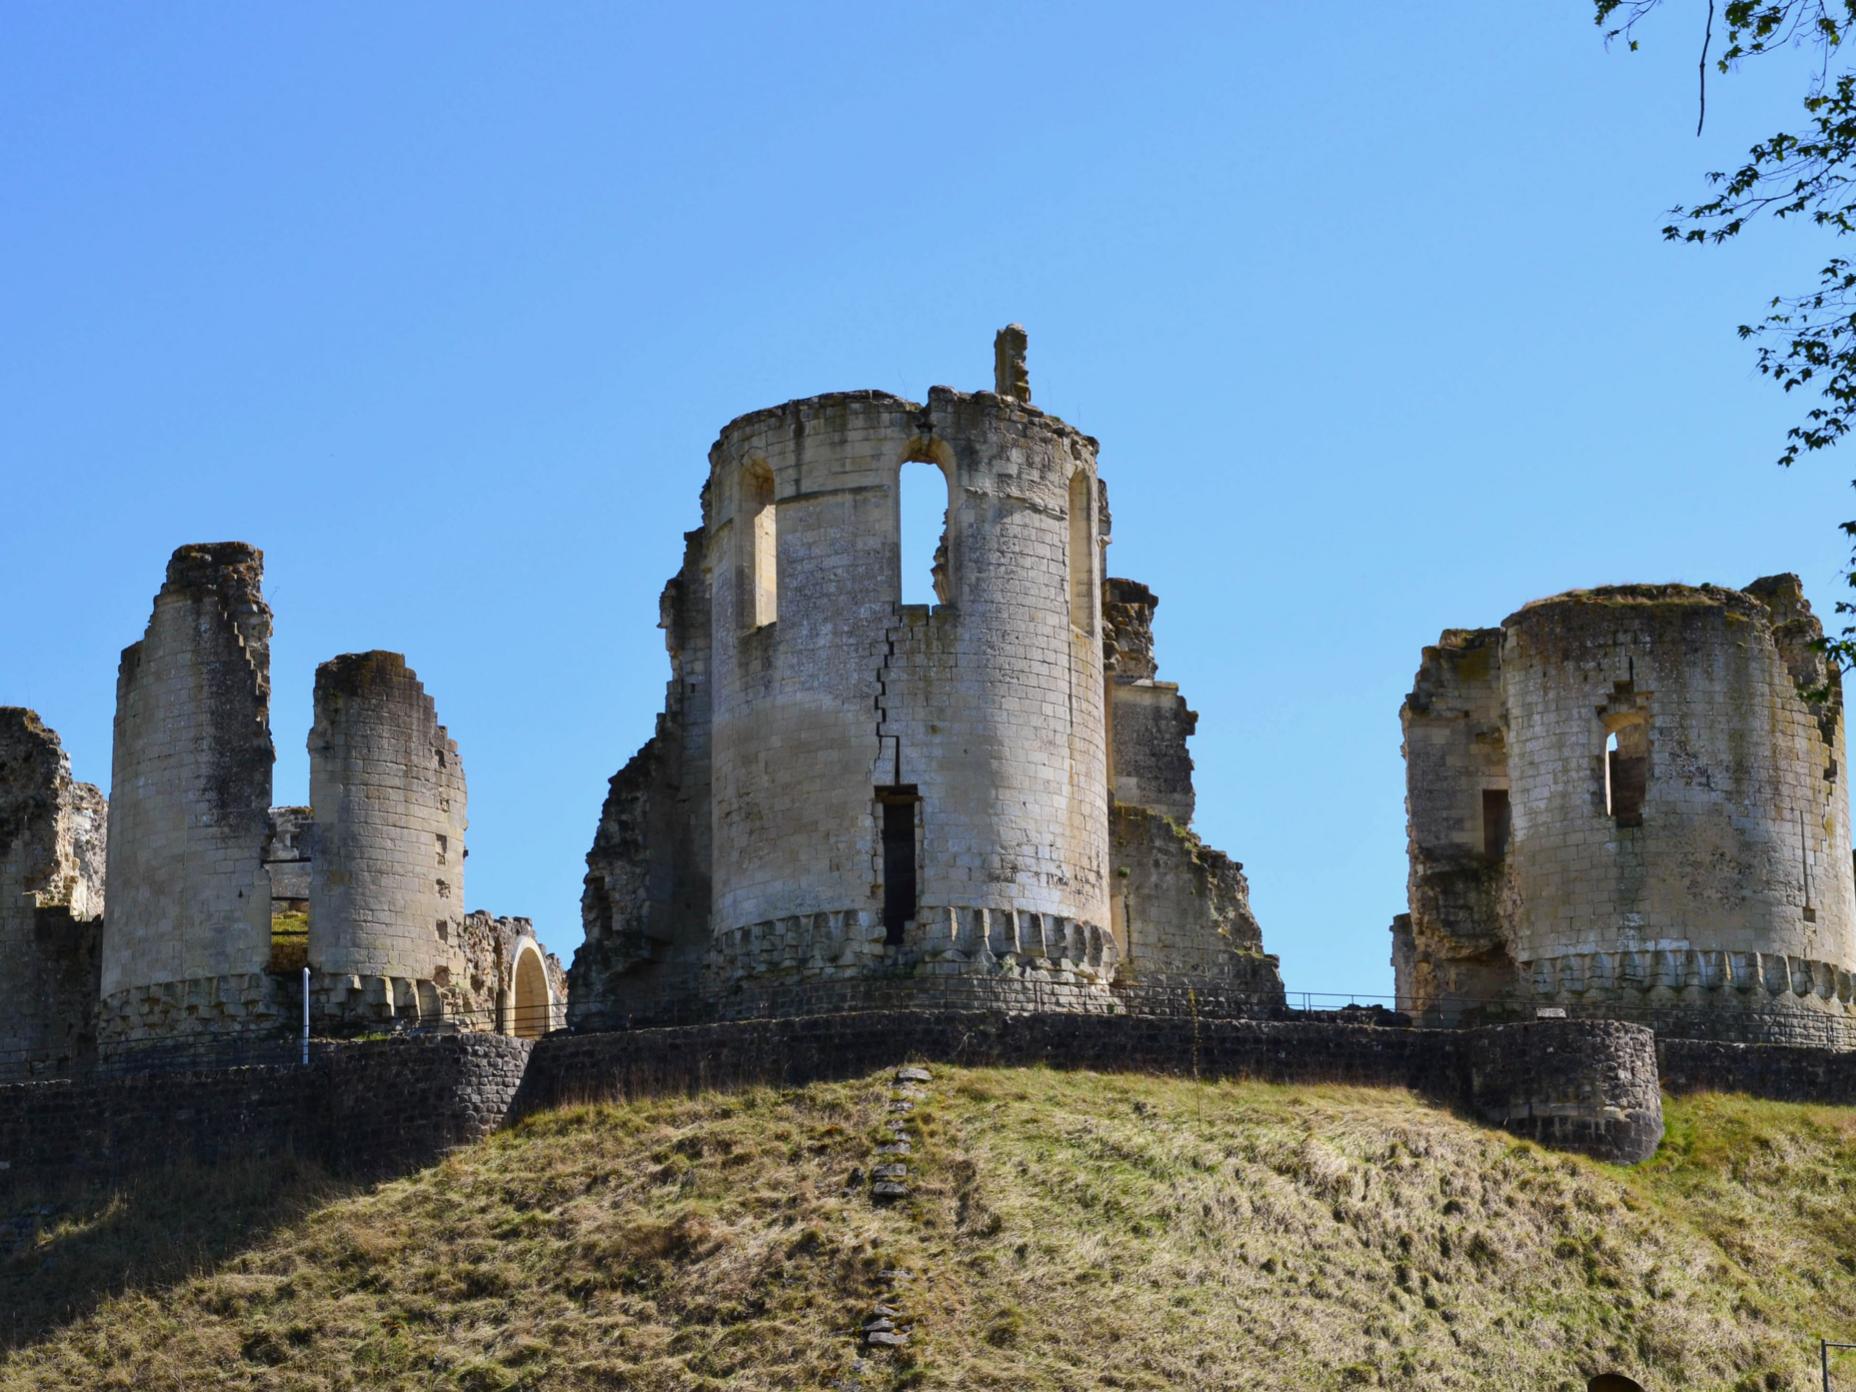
(531, 1013)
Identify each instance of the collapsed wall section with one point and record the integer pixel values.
(646, 901)
(52, 837)
(1451, 954)
(188, 936)
(387, 878)
(1180, 909)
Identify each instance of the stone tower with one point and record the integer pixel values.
(854, 800)
(1631, 801)
(188, 936)
(386, 881)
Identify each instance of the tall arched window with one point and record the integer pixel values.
(1627, 770)
(757, 538)
(924, 507)
(1082, 553)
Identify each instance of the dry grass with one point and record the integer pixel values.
(1068, 1231)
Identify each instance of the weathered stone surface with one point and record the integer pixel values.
(188, 936)
(853, 802)
(1697, 875)
(52, 837)
(387, 880)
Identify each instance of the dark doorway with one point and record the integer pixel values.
(898, 860)
(1496, 821)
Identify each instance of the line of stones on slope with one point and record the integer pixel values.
(888, 1326)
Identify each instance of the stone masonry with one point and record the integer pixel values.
(846, 789)
(1180, 910)
(188, 937)
(1631, 801)
(386, 883)
(212, 883)
(52, 832)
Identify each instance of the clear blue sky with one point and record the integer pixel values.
(442, 306)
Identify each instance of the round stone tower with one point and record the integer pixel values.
(907, 792)
(386, 885)
(1680, 837)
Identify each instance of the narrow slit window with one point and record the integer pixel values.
(1082, 553)
(1627, 773)
(759, 542)
(1496, 823)
(924, 505)
(899, 880)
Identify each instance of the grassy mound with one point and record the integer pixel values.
(1066, 1230)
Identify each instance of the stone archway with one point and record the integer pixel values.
(531, 1012)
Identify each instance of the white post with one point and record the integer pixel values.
(305, 1017)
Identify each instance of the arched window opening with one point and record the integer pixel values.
(926, 503)
(1082, 553)
(532, 1014)
(758, 539)
(1627, 772)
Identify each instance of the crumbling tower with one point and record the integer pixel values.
(1631, 800)
(907, 783)
(188, 935)
(852, 801)
(386, 882)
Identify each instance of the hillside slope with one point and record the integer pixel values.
(1067, 1230)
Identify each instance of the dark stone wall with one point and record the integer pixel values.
(367, 1108)
(385, 1107)
(1782, 1072)
(1585, 1085)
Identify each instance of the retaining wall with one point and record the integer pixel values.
(368, 1109)
(387, 1106)
(1585, 1085)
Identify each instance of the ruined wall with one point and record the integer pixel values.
(1149, 720)
(982, 715)
(52, 836)
(646, 902)
(387, 880)
(511, 984)
(1697, 873)
(1451, 954)
(1180, 909)
(287, 852)
(188, 935)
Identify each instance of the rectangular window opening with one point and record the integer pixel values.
(1496, 823)
(899, 881)
(1627, 773)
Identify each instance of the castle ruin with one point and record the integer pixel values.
(1631, 801)
(850, 800)
(216, 900)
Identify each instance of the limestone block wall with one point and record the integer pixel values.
(1697, 872)
(387, 880)
(984, 715)
(188, 935)
(52, 837)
